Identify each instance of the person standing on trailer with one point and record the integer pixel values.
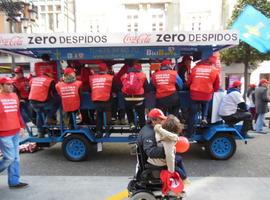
(101, 94)
(69, 91)
(44, 100)
(10, 126)
(203, 82)
(134, 85)
(166, 83)
(183, 69)
(22, 89)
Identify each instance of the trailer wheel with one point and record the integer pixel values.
(76, 148)
(221, 147)
(143, 196)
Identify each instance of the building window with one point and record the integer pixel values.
(58, 7)
(42, 8)
(50, 8)
(50, 17)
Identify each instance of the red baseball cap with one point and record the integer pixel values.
(252, 85)
(166, 62)
(156, 113)
(18, 70)
(6, 80)
(236, 84)
(264, 81)
(102, 66)
(138, 67)
(69, 70)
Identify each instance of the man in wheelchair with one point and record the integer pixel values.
(147, 183)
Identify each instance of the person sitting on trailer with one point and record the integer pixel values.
(69, 91)
(203, 82)
(166, 83)
(22, 89)
(183, 69)
(101, 94)
(44, 100)
(134, 85)
(233, 109)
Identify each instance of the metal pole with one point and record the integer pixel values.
(13, 63)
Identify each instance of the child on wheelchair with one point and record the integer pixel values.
(166, 134)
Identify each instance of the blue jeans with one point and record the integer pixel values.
(179, 167)
(195, 108)
(259, 122)
(9, 146)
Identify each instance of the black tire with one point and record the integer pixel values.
(143, 196)
(221, 147)
(76, 147)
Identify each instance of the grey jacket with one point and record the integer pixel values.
(261, 100)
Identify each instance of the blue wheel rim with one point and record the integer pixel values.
(221, 147)
(75, 148)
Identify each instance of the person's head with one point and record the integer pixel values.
(156, 116)
(252, 86)
(172, 124)
(138, 67)
(69, 75)
(236, 84)
(6, 85)
(18, 72)
(264, 82)
(166, 63)
(186, 60)
(102, 67)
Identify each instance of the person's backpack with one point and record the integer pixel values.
(132, 84)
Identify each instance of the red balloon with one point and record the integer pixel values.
(182, 145)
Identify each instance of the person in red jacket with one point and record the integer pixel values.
(134, 85)
(69, 91)
(166, 83)
(22, 89)
(101, 95)
(44, 100)
(10, 126)
(203, 82)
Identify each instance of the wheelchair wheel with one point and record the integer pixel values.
(143, 196)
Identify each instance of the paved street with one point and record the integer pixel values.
(246, 175)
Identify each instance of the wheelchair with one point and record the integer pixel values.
(146, 184)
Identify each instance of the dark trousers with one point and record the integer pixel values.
(170, 104)
(139, 107)
(44, 111)
(179, 167)
(101, 108)
(26, 111)
(238, 117)
(195, 108)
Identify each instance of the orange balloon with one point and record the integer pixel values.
(182, 145)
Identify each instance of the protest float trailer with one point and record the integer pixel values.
(218, 138)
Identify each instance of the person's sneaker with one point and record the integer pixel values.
(204, 122)
(132, 126)
(186, 182)
(20, 185)
(123, 122)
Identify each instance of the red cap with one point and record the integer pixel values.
(138, 67)
(262, 81)
(102, 66)
(156, 113)
(68, 71)
(252, 85)
(236, 84)
(18, 70)
(6, 80)
(166, 62)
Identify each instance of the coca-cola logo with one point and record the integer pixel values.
(13, 41)
(137, 39)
